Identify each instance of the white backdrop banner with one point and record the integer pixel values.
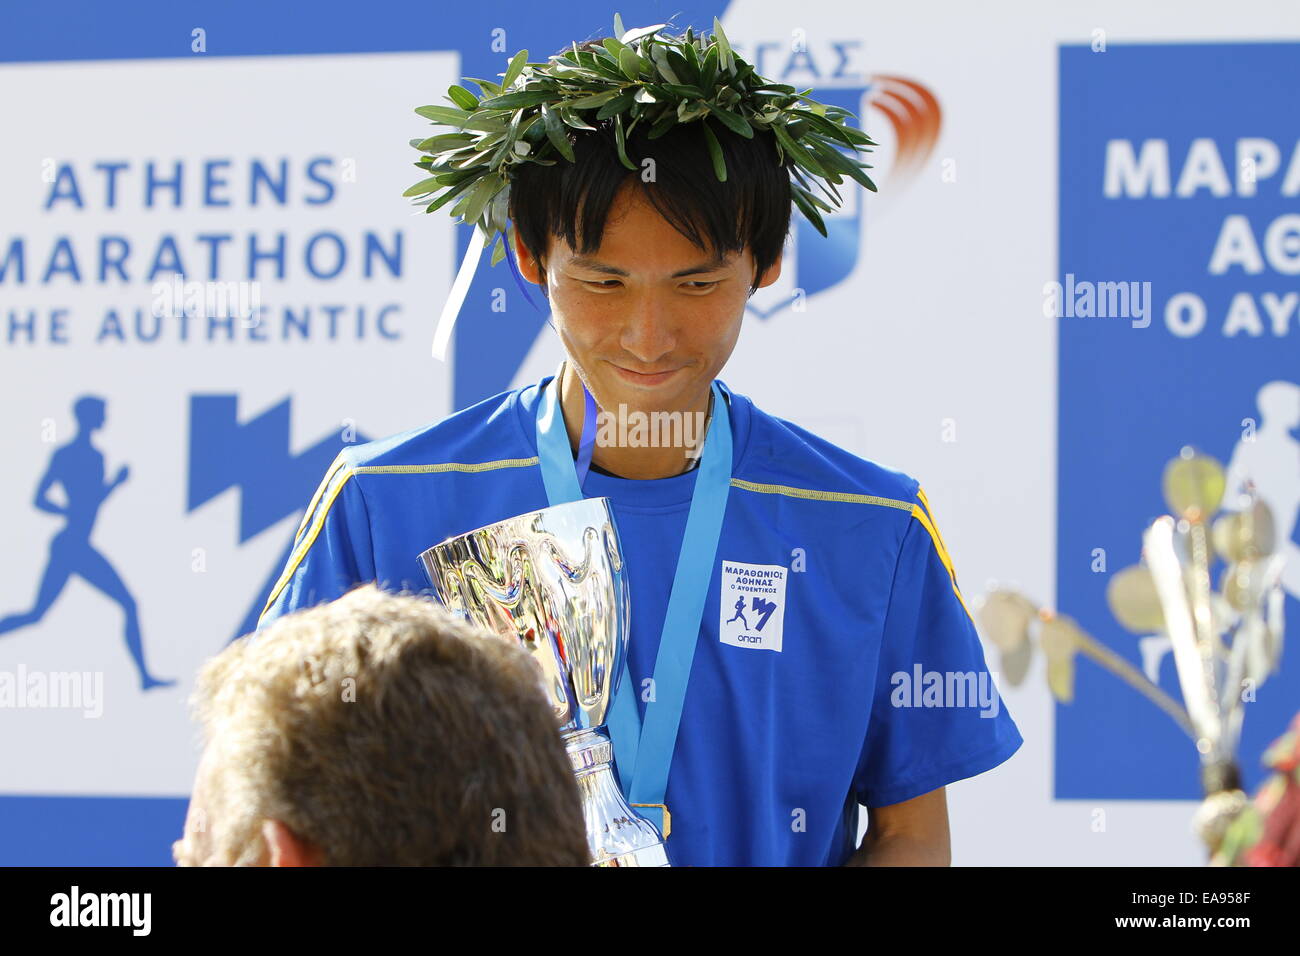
(159, 461)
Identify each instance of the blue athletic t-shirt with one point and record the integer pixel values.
(836, 663)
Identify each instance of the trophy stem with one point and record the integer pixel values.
(1206, 638)
(616, 834)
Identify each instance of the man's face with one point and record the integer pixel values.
(648, 319)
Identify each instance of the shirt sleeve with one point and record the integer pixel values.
(936, 716)
(331, 550)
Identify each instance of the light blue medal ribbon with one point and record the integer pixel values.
(587, 443)
(644, 753)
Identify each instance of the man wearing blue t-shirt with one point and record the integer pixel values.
(834, 663)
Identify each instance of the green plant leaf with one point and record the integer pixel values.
(688, 110)
(733, 122)
(832, 158)
(477, 152)
(458, 208)
(462, 97)
(797, 152)
(727, 60)
(660, 58)
(526, 126)
(845, 134)
(443, 114)
(809, 211)
(709, 69)
(423, 186)
(555, 133)
(828, 188)
(617, 105)
(590, 102)
(629, 63)
(453, 176)
(663, 124)
(693, 58)
(816, 201)
(691, 92)
(499, 209)
(715, 152)
(443, 141)
(689, 73)
(571, 118)
(516, 66)
(606, 67)
(620, 141)
(487, 87)
(633, 35)
(502, 151)
(447, 116)
(511, 101)
(480, 196)
(451, 194)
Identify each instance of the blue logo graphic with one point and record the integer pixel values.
(740, 613)
(764, 608)
(254, 457)
(78, 467)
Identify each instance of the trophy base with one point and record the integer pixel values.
(646, 856)
(616, 834)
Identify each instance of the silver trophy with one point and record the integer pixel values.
(1225, 643)
(555, 581)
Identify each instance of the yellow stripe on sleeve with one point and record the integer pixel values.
(300, 551)
(320, 490)
(921, 515)
(920, 493)
(934, 525)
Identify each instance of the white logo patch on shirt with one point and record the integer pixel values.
(752, 605)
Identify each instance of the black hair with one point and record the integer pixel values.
(572, 199)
